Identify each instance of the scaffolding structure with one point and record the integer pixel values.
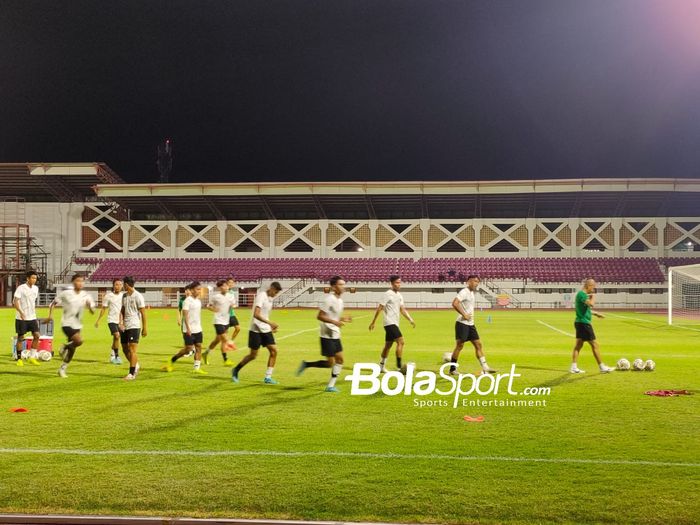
(19, 251)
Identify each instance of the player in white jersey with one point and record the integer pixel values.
(220, 302)
(261, 333)
(331, 320)
(112, 303)
(232, 319)
(465, 330)
(133, 325)
(392, 306)
(73, 301)
(24, 301)
(191, 329)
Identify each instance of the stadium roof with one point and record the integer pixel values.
(409, 200)
(54, 182)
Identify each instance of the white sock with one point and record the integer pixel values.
(64, 366)
(482, 360)
(197, 364)
(382, 362)
(574, 366)
(335, 372)
(268, 374)
(601, 366)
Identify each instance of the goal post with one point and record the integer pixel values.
(684, 294)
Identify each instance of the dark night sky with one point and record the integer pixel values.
(362, 90)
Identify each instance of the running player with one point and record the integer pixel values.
(185, 294)
(331, 320)
(393, 307)
(232, 319)
(191, 329)
(261, 333)
(584, 302)
(112, 302)
(74, 302)
(134, 321)
(220, 303)
(465, 330)
(24, 301)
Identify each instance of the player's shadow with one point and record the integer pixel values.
(228, 411)
(563, 379)
(170, 395)
(539, 368)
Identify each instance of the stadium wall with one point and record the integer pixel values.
(104, 231)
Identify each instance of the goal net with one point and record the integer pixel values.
(684, 295)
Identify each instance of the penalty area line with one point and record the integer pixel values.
(555, 329)
(340, 454)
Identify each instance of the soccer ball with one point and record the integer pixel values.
(44, 355)
(649, 365)
(404, 368)
(638, 364)
(623, 364)
(25, 354)
(447, 357)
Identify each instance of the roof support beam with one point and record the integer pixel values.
(216, 211)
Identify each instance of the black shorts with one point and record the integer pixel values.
(330, 347)
(22, 327)
(70, 332)
(258, 339)
(221, 328)
(193, 339)
(131, 335)
(113, 328)
(464, 332)
(584, 331)
(233, 321)
(392, 333)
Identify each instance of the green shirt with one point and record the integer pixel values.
(232, 295)
(583, 311)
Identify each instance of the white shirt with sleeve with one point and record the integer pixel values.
(27, 296)
(332, 306)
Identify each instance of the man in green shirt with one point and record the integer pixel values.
(584, 302)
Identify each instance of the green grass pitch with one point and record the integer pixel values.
(641, 453)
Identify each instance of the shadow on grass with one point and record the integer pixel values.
(272, 400)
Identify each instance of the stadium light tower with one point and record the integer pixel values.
(165, 160)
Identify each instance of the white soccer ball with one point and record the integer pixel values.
(649, 365)
(623, 364)
(25, 354)
(447, 357)
(44, 355)
(638, 364)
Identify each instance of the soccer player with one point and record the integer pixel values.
(112, 302)
(261, 333)
(331, 320)
(393, 307)
(74, 302)
(220, 303)
(24, 301)
(232, 319)
(583, 303)
(134, 321)
(191, 329)
(465, 330)
(185, 294)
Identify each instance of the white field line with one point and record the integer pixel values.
(309, 330)
(555, 329)
(651, 321)
(331, 453)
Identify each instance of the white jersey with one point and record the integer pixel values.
(392, 303)
(332, 306)
(132, 304)
(193, 307)
(263, 301)
(27, 301)
(468, 300)
(221, 304)
(113, 301)
(73, 304)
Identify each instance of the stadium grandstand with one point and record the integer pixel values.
(531, 241)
